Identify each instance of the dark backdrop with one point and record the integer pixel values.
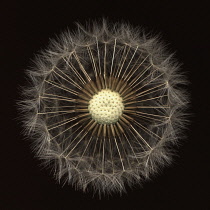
(26, 28)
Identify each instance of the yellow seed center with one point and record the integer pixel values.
(106, 106)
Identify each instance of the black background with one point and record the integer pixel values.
(26, 28)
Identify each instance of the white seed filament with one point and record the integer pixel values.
(106, 106)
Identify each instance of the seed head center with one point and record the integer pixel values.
(106, 106)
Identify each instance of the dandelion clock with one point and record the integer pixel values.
(104, 106)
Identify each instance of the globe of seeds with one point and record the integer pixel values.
(104, 106)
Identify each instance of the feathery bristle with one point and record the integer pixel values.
(105, 105)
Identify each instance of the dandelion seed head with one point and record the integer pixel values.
(106, 106)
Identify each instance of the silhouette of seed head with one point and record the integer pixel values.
(105, 106)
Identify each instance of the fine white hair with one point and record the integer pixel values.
(104, 155)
